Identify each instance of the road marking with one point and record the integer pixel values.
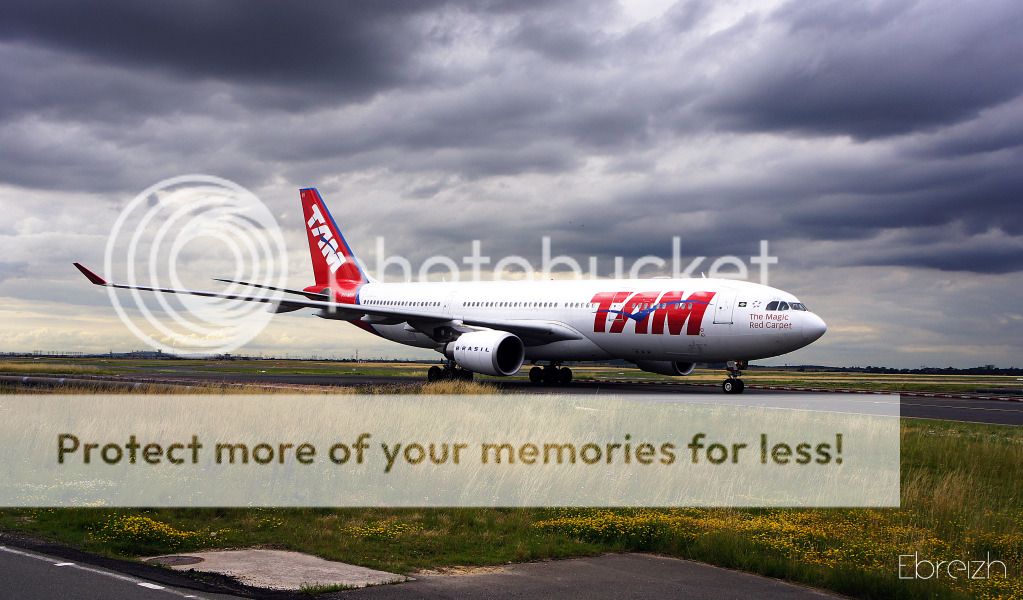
(151, 586)
(109, 574)
(963, 407)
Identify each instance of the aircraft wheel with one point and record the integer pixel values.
(564, 376)
(435, 374)
(550, 376)
(741, 384)
(730, 386)
(464, 375)
(536, 376)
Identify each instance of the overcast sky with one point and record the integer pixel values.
(878, 146)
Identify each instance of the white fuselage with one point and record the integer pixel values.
(693, 320)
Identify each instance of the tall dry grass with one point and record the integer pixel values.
(113, 387)
(48, 368)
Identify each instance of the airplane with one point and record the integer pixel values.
(663, 326)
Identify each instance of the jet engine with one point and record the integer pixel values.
(666, 367)
(488, 352)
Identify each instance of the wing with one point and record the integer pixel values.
(310, 295)
(534, 331)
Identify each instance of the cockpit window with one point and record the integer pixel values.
(782, 305)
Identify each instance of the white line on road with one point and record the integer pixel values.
(151, 586)
(102, 572)
(963, 407)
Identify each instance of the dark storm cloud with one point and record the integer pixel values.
(992, 253)
(287, 56)
(450, 98)
(875, 69)
(561, 37)
(354, 48)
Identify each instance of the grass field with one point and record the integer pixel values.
(962, 498)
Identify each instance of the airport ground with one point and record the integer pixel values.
(961, 492)
(341, 373)
(967, 398)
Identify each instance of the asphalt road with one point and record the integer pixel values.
(608, 576)
(30, 575)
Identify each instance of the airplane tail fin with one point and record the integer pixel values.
(334, 263)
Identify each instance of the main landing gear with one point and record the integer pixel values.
(734, 385)
(552, 374)
(450, 372)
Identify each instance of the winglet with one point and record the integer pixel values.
(92, 277)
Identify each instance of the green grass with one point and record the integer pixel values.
(440, 537)
(962, 496)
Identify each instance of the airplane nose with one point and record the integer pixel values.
(813, 328)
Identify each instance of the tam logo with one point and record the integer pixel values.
(328, 245)
(651, 311)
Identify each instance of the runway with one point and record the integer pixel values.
(967, 408)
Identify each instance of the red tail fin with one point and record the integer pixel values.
(334, 263)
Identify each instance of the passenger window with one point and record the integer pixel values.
(772, 305)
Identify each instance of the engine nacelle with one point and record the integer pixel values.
(666, 367)
(488, 352)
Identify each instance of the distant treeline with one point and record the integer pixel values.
(984, 370)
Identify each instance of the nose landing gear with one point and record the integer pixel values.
(734, 385)
(552, 374)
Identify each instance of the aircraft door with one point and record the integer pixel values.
(724, 306)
